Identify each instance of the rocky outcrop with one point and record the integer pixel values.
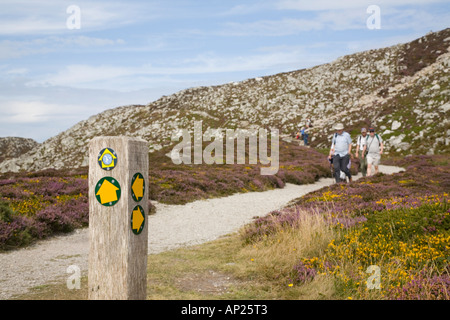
(402, 90)
(13, 147)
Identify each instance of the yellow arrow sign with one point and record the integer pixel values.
(138, 187)
(106, 191)
(137, 219)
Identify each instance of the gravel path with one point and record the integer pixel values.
(171, 227)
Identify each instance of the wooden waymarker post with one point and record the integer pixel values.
(118, 208)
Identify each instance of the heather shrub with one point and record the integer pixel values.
(15, 230)
(302, 273)
(37, 207)
(64, 218)
(5, 212)
(426, 285)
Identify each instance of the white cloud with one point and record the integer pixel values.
(413, 19)
(20, 48)
(37, 119)
(325, 5)
(126, 78)
(338, 17)
(249, 8)
(211, 63)
(83, 76)
(323, 20)
(29, 17)
(23, 112)
(281, 27)
(90, 41)
(17, 71)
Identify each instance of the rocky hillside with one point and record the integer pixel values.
(13, 147)
(402, 90)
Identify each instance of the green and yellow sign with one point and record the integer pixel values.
(137, 220)
(107, 159)
(107, 191)
(137, 187)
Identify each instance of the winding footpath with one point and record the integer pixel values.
(172, 226)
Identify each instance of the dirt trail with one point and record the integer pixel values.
(171, 227)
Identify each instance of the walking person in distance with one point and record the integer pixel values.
(359, 153)
(305, 134)
(340, 151)
(374, 149)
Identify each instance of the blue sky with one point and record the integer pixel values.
(133, 52)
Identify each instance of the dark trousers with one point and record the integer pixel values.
(341, 164)
(363, 163)
(305, 139)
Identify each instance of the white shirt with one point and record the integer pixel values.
(361, 141)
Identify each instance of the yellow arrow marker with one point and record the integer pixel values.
(138, 218)
(138, 187)
(107, 192)
(112, 157)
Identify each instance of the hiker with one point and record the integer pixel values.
(374, 150)
(360, 154)
(341, 151)
(305, 134)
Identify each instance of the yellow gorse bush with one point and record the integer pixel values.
(399, 245)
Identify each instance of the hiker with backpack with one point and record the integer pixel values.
(341, 151)
(374, 150)
(360, 154)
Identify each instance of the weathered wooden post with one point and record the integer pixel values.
(118, 208)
